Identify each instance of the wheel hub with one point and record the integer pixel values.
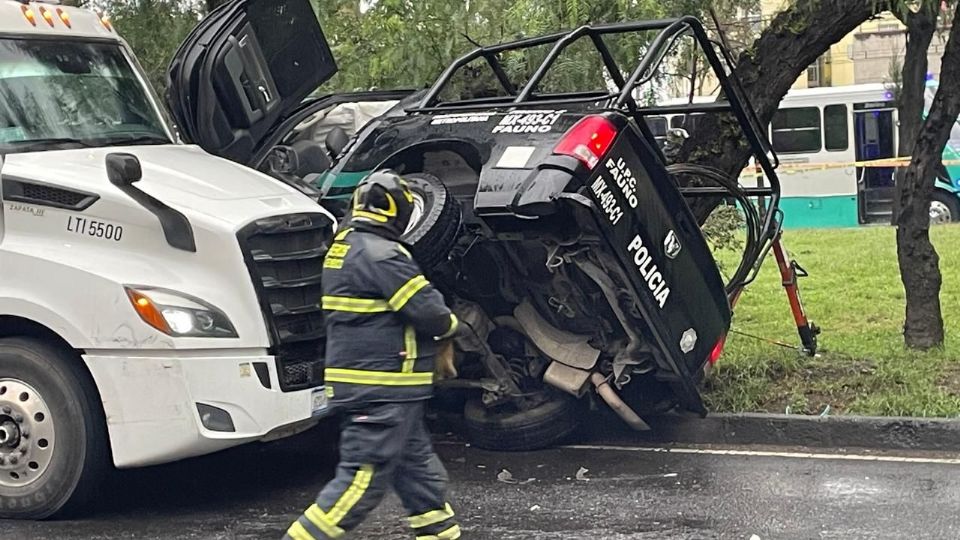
(939, 213)
(9, 434)
(27, 434)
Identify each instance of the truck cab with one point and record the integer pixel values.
(156, 302)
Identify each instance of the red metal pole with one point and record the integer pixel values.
(788, 273)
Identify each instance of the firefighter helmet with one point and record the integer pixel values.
(383, 201)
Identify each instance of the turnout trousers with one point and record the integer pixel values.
(382, 446)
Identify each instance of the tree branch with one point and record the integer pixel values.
(795, 38)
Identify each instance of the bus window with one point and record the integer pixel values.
(797, 130)
(835, 137)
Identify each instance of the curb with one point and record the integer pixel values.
(881, 433)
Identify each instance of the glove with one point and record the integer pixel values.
(444, 367)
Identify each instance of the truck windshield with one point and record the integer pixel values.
(72, 94)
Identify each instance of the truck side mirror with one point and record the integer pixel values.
(336, 141)
(123, 169)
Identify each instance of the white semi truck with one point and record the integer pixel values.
(156, 302)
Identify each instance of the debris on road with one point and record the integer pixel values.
(506, 477)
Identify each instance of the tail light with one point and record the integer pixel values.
(588, 140)
(717, 350)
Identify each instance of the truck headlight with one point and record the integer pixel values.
(178, 314)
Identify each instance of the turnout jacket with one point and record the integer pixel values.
(383, 321)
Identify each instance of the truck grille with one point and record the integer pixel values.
(285, 257)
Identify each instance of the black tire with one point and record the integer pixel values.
(434, 234)
(79, 459)
(546, 425)
(950, 202)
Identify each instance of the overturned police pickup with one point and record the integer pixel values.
(550, 219)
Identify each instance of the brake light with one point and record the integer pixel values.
(588, 140)
(47, 16)
(717, 350)
(28, 14)
(64, 17)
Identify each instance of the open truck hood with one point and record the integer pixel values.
(243, 69)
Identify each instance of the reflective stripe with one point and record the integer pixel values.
(354, 305)
(454, 324)
(342, 234)
(353, 494)
(377, 378)
(431, 518)
(363, 214)
(339, 250)
(406, 292)
(298, 532)
(410, 347)
(333, 263)
(405, 251)
(323, 522)
(450, 534)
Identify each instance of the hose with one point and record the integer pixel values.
(756, 245)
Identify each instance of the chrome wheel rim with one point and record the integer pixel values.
(27, 434)
(940, 213)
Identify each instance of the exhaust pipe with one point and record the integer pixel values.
(623, 410)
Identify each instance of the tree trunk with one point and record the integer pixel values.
(794, 40)
(919, 262)
(921, 27)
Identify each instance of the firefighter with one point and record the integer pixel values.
(388, 331)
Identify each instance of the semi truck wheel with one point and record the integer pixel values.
(435, 222)
(53, 443)
(545, 425)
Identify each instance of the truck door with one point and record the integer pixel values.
(874, 138)
(244, 68)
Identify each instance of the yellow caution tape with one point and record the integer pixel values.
(794, 168)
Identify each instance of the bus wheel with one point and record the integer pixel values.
(53, 444)
(944, 208)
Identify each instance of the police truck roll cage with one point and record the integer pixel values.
(764, 228)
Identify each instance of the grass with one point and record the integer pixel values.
(855, 295)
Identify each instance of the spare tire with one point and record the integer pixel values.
(543, 426)
(435, 222)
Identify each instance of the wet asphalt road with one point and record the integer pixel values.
(627, 493)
